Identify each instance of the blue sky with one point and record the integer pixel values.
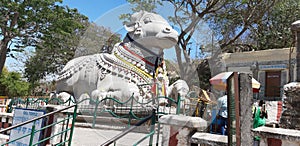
(94, 8)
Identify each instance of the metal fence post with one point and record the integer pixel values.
(32, 134)
(130, 111)
(10, 106)
(178, 104)
(152, 128)
(73, 124)
(95, 112)
(27, 102)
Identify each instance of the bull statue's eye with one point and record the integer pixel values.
(147, 20)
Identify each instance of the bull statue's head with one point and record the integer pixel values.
(151, 31)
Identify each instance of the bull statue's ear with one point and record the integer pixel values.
(130, 27)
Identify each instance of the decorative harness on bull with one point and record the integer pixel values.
(132, 58)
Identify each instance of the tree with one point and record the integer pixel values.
(230, 20)
(57, 45)
(97, 39)
(28, 23)
(12, 84)
(273, 30)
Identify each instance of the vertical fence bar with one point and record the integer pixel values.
(152, 128)
(27, 102)
(73, 124)
(68, 121)
(67, 126)
(10, 106)
(130, 111)
(158, 124)
(158, 132)
(95, 112)
(178, 104)
(46, 100)
(32, 134)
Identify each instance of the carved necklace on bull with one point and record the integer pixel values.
(132, 58)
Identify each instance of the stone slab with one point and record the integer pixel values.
(277, 133)
(210, 139)
(183, 121)
(6, 114)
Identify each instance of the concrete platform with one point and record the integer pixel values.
(96, 137)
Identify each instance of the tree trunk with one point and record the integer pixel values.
(216, 63)
(179, 61)
(3, 51)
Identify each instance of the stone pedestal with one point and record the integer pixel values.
(178, 129)
(57, 128)
(6, 121)
(290, 118)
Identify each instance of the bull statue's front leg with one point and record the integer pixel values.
(116, 88)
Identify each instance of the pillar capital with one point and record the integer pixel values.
(296, 26)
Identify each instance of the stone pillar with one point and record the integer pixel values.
(246, 102)
(296, 29)
(178, 129)
(290, 117)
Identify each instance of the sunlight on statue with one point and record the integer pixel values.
(134, 67)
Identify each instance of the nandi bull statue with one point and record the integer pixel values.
(133, 68)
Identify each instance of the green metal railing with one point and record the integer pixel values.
(36, 103)
(131, 109)
(62, 135)
(150, 135)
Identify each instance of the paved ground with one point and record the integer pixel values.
(95, 137)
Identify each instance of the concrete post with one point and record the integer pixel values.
(296, 29)
(178, 129)
(246, 101)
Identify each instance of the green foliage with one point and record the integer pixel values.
(58, 42)
(235, 20)
(2, 87)
(12, 84)
(204, 74)
(41, 24)
(273, 30)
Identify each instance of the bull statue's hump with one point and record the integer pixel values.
(133, 62)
